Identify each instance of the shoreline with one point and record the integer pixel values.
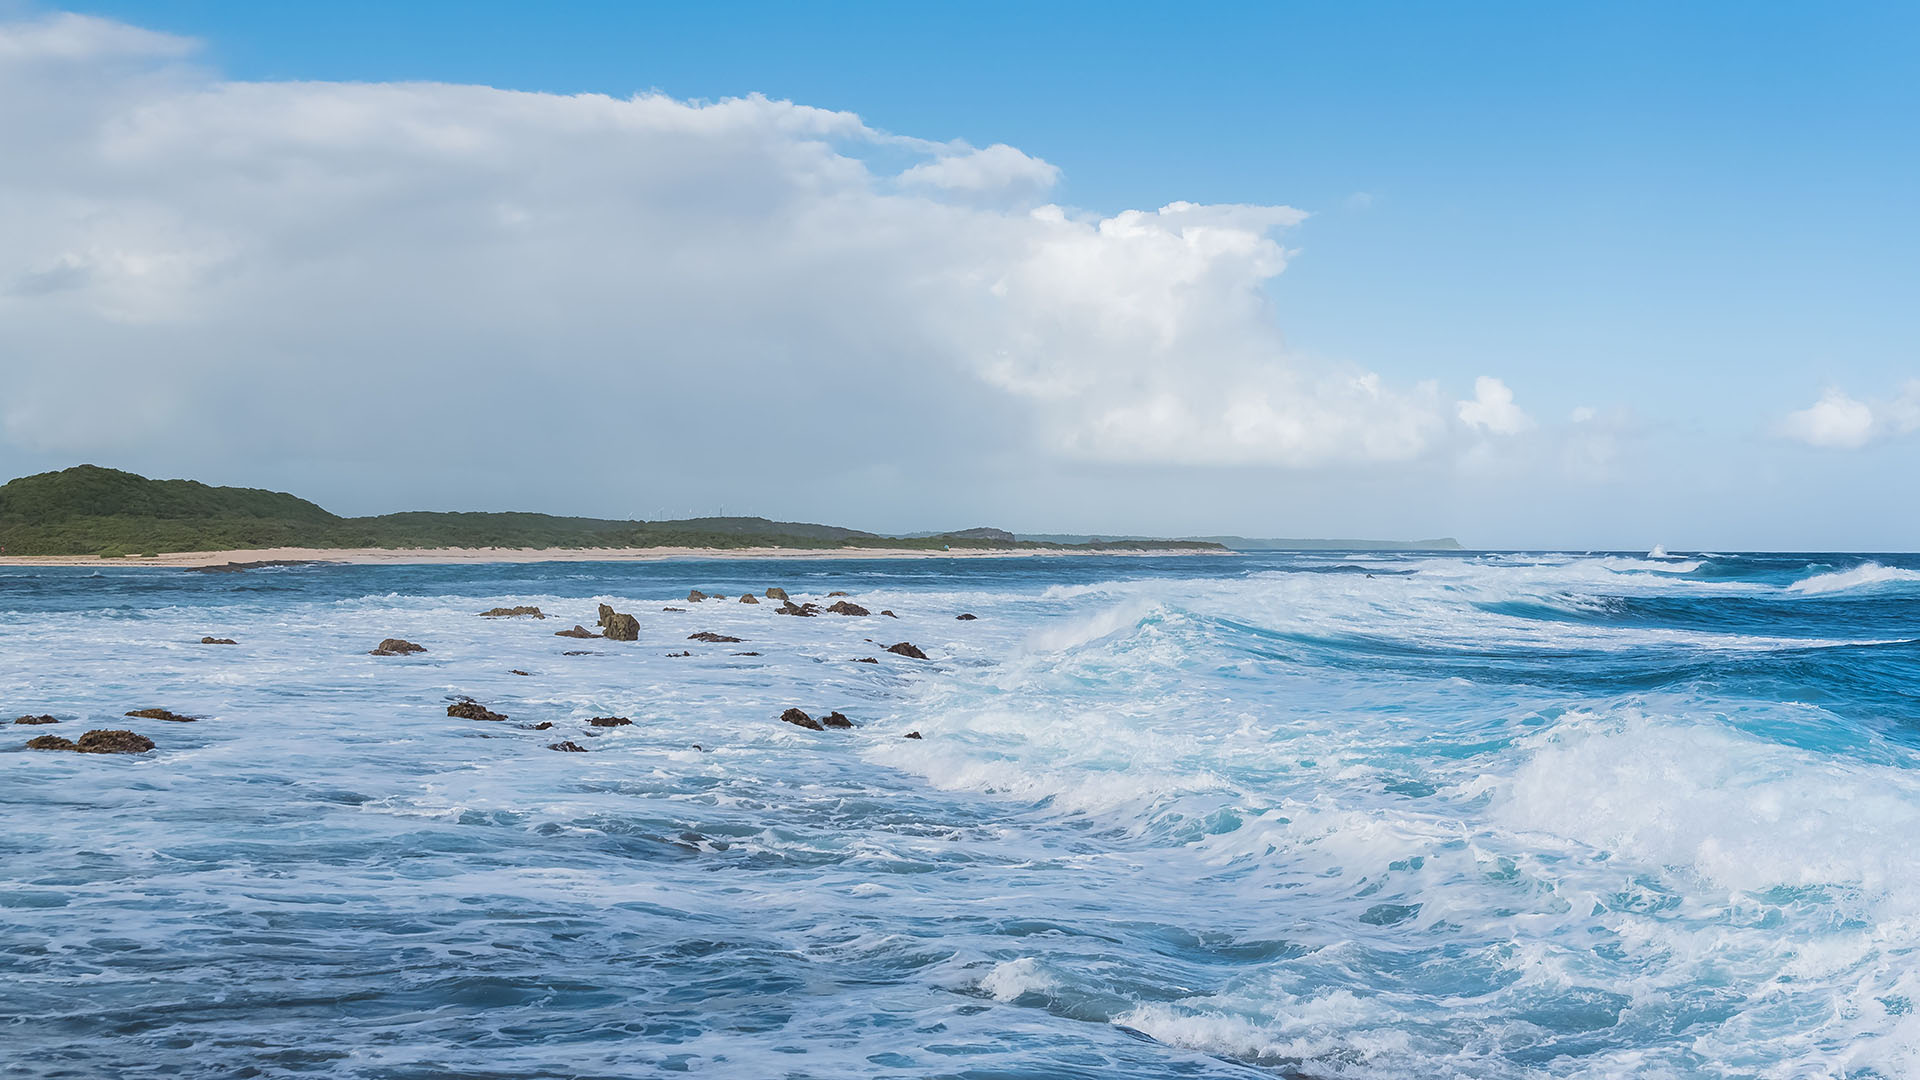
(200, 560)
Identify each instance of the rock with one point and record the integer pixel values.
(710, 636)
(747, 598)
(511, 612)
(744, 654)
(577, 631)
(836, 719)
(694, 596)
(218, 641)
(866, 660)
(517, 671)
(906, 648)
(913, 735)
(568, 747)
(776, 594)
(965, 617)
(113, 742)
(544, 725)
(799, 718)
(888, 614)
(621, 627)
(159, 714)
(394, 646)
(49, 742)
(790, 608)
(36, 720)
(472, 710)
(846, 608)
(679, 609)
(609, 721)
(578, 652)
(606, 612)
(841, 592)
(678, 655)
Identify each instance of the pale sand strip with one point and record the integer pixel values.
(402, 556)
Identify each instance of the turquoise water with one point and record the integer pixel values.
(1319, 816)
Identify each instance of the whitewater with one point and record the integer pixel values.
(1297, 815)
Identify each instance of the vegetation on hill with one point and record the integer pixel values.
(88, 510)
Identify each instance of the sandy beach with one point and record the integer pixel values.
(417, 556)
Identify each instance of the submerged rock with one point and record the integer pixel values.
(578, 652)
(678, 609)
(511, 612)
(609, 721)
(517, 671)
(218, 641)
(622, 627)
(678, 655)
(908, 649)
(836, 719)
(776, 594)
(865, 660)
(710, 636)
(472, 710)
(394, 646)
(159, 714)
(36, 720)
(799, 718)
(847, 608)
(568, 747)
(49, 742)
(744, 654)
(577, 631)
(912, 735)
(966, 617)
(838, 592)
(748, 598)
(544, 725)
(113, 742)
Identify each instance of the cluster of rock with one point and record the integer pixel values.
(618, 625)
(394, 646)
(799, 718)
(95, 742)
(161, 714)
(512, 612)
(35, 720)
(218, 641)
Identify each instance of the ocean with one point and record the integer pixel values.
(1399, 816)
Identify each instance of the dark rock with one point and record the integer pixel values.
(678, 655)
(36, 720)
(906, 648)
(846, 608)
(836, 719)
(606, 612)
(113, 742)
(888, 614)
(394, 646)
(804, 610)
(744, 654)
(544, 725)
(577, 631)
(568, 747)
(510, 612)
(694, 596)
(472, 710)
(708, 635)
(218, 641)
(578, 652)
(866, 660)
(517, 671)
(679, 609)
(799, 718)
(966, 617)
(621, 627)
(913, 735)
(160, 714)
(49, 742)
(609, 721)
(840, 592)
(748, 598)
(776, 594)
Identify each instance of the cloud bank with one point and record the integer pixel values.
(411, 271)
(1839, 421)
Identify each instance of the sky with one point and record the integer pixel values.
(1534, 276)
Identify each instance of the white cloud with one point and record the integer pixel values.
(1492, 409)
(1840, 422)
(397, 270)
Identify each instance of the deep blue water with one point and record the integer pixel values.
(1394, 816)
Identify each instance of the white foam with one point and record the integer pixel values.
(1859, 577)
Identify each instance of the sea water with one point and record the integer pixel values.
(1327, 815)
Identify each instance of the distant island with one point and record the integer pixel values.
(92, 511)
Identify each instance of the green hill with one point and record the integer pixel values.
(88, 510)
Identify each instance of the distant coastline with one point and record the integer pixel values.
(238, 559)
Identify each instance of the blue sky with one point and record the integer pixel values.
(1691, 223)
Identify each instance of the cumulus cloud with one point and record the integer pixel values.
(1492, 409)
(1839, 421)
(381, 271)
